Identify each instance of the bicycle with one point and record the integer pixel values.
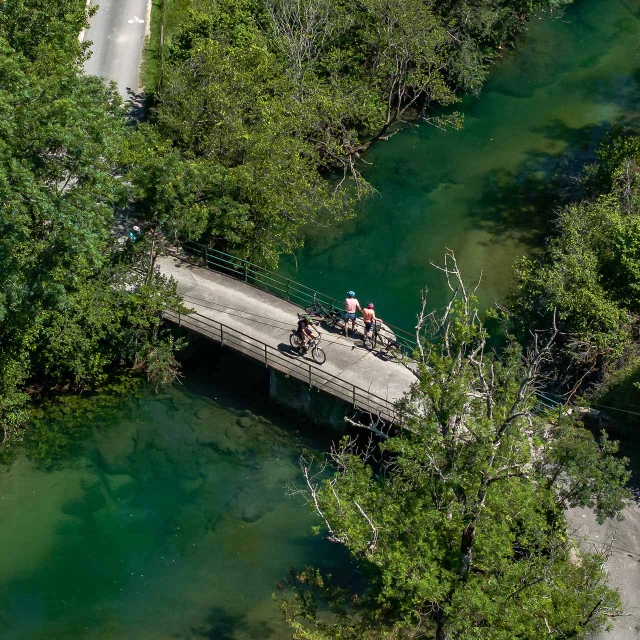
(391, 346)
(317, 352)
(331, 316)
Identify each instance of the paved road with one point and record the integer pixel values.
(623, 565)
(270, 319)
(117, 32)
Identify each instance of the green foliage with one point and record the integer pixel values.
(44, 31)
(13, 405)
(458, 523)
(590, 272)
(72, 313)
(261, 99)
(243, 176)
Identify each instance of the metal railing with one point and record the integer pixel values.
(544, 405)
(311, 374)
(278, 285)
(271, 357)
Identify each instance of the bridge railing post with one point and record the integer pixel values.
(206, 257)
(221, 336)
(309, 375)
(266, 355)
(354, 395)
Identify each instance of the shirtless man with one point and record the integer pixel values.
(350, 306)
(369, 317)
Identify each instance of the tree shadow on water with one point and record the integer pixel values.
(220, 625)
(521, 205)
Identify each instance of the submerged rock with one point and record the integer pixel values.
(192, 485)
(205, 434)
(249, 506)
(226, 438)
(119, 485)
(253, 511)
(92, 500)
(145, 435)
(179, 398)
(236, 435)
(115, 445)
(204, 413)
(156, 457)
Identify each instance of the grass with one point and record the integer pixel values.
(166, 18)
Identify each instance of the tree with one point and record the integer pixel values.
(456, 520)
(590, 273)
(71, 312)
(227, 121)
(45, 32)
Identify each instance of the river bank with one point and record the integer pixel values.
(172, 523)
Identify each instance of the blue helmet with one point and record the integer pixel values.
(351, 294)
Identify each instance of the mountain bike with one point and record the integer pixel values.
(390, 347)
(328, 314)
(317, 352)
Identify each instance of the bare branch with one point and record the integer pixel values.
(374, 539)
(313, 492)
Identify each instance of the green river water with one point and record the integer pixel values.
(484, 191)
(173, 522)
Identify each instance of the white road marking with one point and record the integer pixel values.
(136, 20)
(81, 35)
(147, 29)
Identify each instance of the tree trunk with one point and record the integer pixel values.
(441, 631)
(466, 549)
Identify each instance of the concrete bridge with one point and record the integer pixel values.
(258, 324)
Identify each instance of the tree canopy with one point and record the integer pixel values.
(269, 98)
(457, 518)
(71, 310)
(590, 272)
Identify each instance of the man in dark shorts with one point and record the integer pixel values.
(369, 317)
(306, 329)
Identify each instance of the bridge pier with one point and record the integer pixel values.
(314, 404)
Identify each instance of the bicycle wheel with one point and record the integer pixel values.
(393, 354)
(319, 355)
(336, 320)
(295, 340)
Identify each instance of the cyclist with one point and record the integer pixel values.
(350, 305)
(369, 317)
(305, 330)
(134, 233)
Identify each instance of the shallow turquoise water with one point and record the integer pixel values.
(486, 191)
(174, 523)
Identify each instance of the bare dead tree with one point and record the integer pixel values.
(303, 29)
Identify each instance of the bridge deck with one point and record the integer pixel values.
(259, 324)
